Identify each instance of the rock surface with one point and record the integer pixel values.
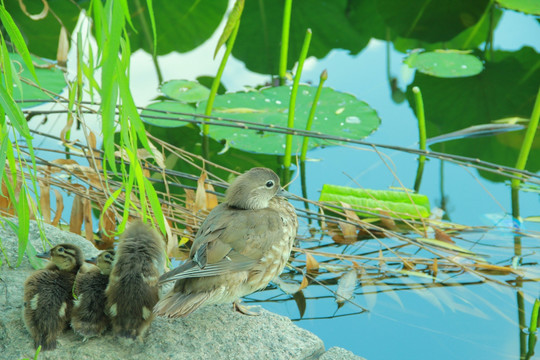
(213, 332)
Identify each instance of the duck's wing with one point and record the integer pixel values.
(190, 269)
(229, 240)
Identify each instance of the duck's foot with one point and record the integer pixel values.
(253, 310)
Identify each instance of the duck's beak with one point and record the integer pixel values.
(285, 194)
(44, 255)
(92, 260)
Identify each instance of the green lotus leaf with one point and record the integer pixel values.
(526, 6)
(185, 91)
(337, 114)
(446, 63)
(51, 79)
(163, 114)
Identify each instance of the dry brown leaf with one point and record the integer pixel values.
(323, 224)
(200, 194)
(107, 226)
(92, 143)
(350, 214)
(36, 17)
(304, 283)
(346, 285)
(63, 47)
(435, 269)
(45, 199)
(145, 170)
(211, 199)
(59, 208)
(157, 155)
(65, 130)
(6, 206)
(171, 238)
(312, 265)
(348, 230)
(496, 269)
(77, 215)
(382, 262)
(442, 236)
(386, 221)
(88, 223)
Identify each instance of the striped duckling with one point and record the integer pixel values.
(48, 297)
(89, 318)
(133, 291)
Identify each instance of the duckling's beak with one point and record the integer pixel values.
(285, 194)
(92, 260)
(44, 255)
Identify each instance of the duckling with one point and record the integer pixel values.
(89, 318)
(48, 295)
(132, 291)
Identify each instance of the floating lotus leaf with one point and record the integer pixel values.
(338, 114)
(51, 79)
(185, 91)
(446, 63)
(166, 116)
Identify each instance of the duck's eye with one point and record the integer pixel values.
(60, 249)
(269, 184)
(108, 257)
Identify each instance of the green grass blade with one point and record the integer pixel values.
(24, 224)
(17, 39)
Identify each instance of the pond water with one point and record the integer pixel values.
(460, 317)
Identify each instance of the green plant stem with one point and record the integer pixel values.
(292, 102)
(303, 183)
(324, 76)
(419, 102)
(419, 173)
(217, 79)
(285, 29)
(532, 329)
(527, 142)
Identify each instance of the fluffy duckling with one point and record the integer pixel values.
(240, 247)
(48, 295)
(88, 318)
(132, 291)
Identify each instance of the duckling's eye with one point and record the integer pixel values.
(269, 184)
(60, 250)
(108, 257)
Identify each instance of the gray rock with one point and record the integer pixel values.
(337, 353)
(213, 332)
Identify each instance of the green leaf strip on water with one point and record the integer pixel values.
(387, 201)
